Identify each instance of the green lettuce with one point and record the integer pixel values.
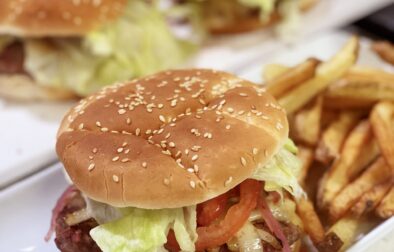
(142, 230)
(281, 172)
(138, 43)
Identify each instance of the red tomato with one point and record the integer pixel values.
(172, 244)
(219, 233)
(210, 210)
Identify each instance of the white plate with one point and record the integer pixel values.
(27, 131)
(382, 237)
(26, 211)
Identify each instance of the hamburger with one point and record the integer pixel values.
(234, 16)
(182, 160)
(52, 50)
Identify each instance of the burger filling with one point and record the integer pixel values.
(136, 44)
(219, 14)
(257, 215)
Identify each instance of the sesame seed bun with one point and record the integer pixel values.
(169, 140)
(56, 18)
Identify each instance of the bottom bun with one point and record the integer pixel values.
(22, 88)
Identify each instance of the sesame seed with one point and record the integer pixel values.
(228, 181)
(115, 178)
(121, 111)
(124, 160)
(104, 129)
(162, 118)
(228, 126)
(243, 161)
(171, 144)
(137, 131)
(128, 121)
(195, 157)
(243, 94)
(91, 166)
(166, 181)
(160, 105)
(124, 144)
(255, 151)
(127, 151)
(80, 126)
(144, 164)
(90, 157)
(196, 168)
(231, 110)
(191, 170)
(94, 150)
(115, 158)
(192, 184)
(120, 150)
(98, 124)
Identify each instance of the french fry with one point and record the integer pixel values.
(326, 73)
(348, 228)
(305, 154)
(385, 50)
(382, 123)
(310, 219)
(331, 243)
(272, 71)
(328, 117)
(386, 206)
(372, 198)
(292, 77)
(358, 151)
(334, 135)
(376, 173)
(307, 123)
(361, 87)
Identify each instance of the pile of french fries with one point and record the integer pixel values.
(342, 118)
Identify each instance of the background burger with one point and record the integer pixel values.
(189, 160)
(233, 16)
(56, 49)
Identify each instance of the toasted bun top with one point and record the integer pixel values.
(56, 17)
(172, 139)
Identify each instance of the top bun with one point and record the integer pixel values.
(56, 17)
(169, 140)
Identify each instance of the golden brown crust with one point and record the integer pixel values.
(56, 18)
(172, 139)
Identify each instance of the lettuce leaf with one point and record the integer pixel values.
(136, 44)
(146, 230)
(281, 172)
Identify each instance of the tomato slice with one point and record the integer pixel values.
(210, 210)
(272, 223)
(219, 233)
(172, 244)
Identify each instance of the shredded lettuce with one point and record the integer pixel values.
(146, 230)
(281, 172)
(136, 44)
